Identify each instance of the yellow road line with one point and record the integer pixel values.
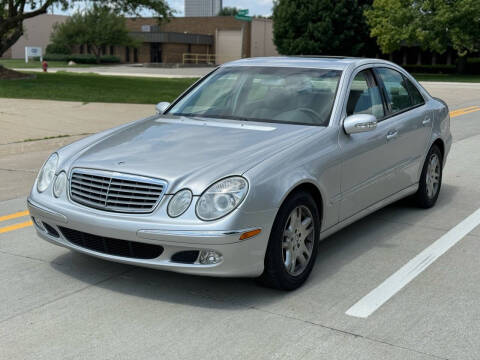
(15, 226)
(14, 215)
(464, 111)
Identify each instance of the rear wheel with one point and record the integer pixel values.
(293, 243)
(431, 179)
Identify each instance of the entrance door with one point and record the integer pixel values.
(156, 52)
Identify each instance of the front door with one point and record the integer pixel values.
(155, 52)
(367, 158)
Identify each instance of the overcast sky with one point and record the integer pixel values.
(255, 7)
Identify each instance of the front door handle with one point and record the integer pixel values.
(392, 134)
(427, 121)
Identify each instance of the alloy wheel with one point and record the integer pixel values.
(298, 240)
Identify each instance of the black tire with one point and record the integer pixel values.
(275, 274)
(422, 197)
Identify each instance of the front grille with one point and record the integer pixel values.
(124, 248)
(116, 192)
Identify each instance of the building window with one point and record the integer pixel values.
(111, 50)
(82, 49)
(104, 50)
(127, 54)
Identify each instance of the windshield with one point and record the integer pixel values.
(277, 94)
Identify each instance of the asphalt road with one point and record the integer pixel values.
(56, 304)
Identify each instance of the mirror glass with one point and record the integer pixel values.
(162, 106)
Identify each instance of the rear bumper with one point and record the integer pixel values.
(240, 258)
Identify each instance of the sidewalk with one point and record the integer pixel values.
(35, 119)
(123, 70)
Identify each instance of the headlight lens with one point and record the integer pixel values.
(60, 184)
(222, 198)
(47, 173)
(179, 203)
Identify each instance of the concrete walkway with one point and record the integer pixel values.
(135, 71)
(35, 119)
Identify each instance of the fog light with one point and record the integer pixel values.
(209, 257)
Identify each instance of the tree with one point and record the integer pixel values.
(432, 25)
(98, 27)
(228, 11)
(14, 12)
(321, 27)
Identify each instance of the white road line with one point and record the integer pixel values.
(381, 294)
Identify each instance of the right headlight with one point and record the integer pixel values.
(47, 173)
(222, 198)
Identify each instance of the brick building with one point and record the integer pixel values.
(168, 42)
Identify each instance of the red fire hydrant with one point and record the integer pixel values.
(44, 65)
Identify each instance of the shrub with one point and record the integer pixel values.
(431, 69)
(57, 49)
(56, 57)
(109, 59)
(473, 66)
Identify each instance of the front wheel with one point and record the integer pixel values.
(293, 243)
(431, 179)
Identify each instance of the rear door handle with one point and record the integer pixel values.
(392, 134)
(427, 121)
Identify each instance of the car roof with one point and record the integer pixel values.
(324, 62)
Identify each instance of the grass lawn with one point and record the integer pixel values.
(447, 77)
(94, 88)
(20, 64)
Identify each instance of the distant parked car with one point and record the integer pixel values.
(248, 169)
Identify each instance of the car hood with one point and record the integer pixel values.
(189, 152)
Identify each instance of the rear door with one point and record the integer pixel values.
(411, 124)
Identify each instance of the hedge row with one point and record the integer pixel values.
(431, 69)
(83, 58)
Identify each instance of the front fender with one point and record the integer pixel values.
(316, 161)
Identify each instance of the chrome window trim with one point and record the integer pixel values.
(121, 176)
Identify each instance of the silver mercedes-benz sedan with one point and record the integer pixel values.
(249, 169)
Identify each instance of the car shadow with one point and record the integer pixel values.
(334, 253)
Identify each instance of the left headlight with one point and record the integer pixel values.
(222, 198)
(47, 173)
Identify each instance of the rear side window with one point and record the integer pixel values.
(396, 91)
(417, 98)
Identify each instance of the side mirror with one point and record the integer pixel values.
(359, 123)
(161, 107)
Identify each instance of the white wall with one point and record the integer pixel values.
(262, 38)
(37, 32)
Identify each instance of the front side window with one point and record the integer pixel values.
(288, 95)
(364, 96)
(397, 96)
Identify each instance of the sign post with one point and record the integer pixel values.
(33, 51)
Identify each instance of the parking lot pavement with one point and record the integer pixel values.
(56, 304)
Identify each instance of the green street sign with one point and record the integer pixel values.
(243, 15)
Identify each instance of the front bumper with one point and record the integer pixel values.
(240, 258)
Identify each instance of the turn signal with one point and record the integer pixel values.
(249, 234)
